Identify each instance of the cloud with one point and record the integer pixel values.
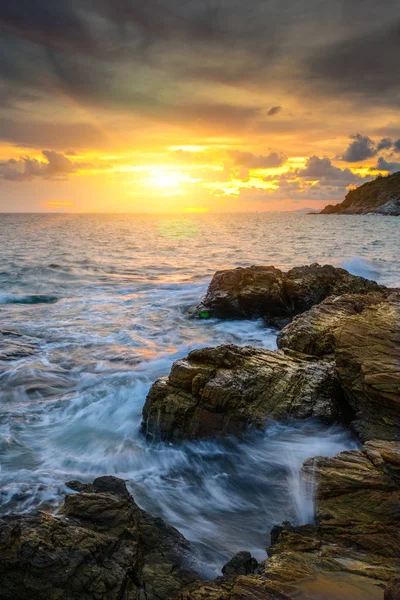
(274, 111)
(361, 148)
(384, 144)
(384, 165)
(364, 65)
(251, 161)
(50, 133)
(54, 166)
(326, 173)
(396, 145)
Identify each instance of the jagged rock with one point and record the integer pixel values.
(313, 332)
(357, 526)
(267, 292)
(241, 564)
(363, 335)
(367, 353)
(240, 588)
(381, 196)
(392, 592)
(103, 547)
(356, 535)
(226, 389)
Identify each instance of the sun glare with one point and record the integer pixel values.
(164, 179)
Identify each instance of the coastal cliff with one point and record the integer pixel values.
(381, 196)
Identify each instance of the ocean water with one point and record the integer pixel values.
(102, 301)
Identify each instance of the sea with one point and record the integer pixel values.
(102, 303)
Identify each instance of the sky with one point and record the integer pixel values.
(195, 105)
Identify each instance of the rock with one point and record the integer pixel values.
(392, 592)
(227, 389)
(239, 588)
(367, 354)
(267, 292)
(362, 333)
(241, 564)
(313, 332)
(357, 528)
(381, 196)
(103, 547)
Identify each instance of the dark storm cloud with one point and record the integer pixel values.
(363, 65)
(133, 55)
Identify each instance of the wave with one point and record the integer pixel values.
(362, 267)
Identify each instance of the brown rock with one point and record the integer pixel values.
(254, 292)
(226, 389)
(313, 332)
(392, 592)
(104, 547)
(367, 352)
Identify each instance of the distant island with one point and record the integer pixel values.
(381, 196)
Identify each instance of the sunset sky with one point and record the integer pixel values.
(195, 105)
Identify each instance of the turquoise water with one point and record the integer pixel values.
(102, 301)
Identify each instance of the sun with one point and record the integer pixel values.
(164, 179)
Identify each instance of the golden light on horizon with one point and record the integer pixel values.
(164, 179)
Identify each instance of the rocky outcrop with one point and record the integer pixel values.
(381, 196)
(227, 389)
(392, 592)
(362, 333)
(356, 536)
(103, 547)
(313, 332)
(357, 527)
(367, 353)
(267, 292)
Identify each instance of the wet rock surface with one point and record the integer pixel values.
(313, 332)
(392, 592)
(227, 389)
(367, 354)
(267, 292)
(103, 546)
(362, 334)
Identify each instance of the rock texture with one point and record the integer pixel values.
(367, 351)
(313, 332)
(226, 389)
(103, 548)
(381, 196)
(362, 333)
(392, 592)
(357, 526)
(267, 292)
(356, 535)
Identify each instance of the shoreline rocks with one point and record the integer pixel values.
(225, 390)
(362, 335)
(381, 196)
(277, 297)
(102, 547)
